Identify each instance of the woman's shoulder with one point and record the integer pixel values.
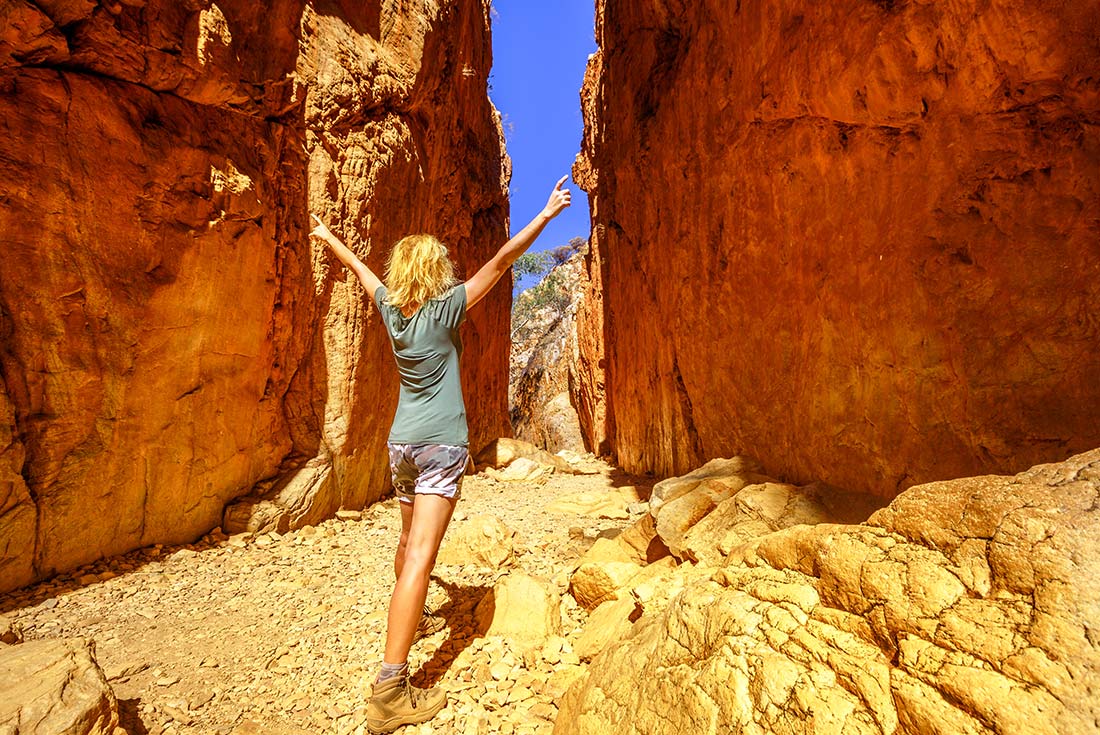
(449, 293)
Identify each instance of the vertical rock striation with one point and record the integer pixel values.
(857, 240)
(170, 338)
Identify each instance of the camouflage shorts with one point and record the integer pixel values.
(428, 469)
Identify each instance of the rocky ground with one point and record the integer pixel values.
(283, 633)
(583, 604)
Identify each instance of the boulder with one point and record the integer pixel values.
(733, 473)
(55, 686)
(292, 502)
(521, 469)
(479, 540)
(757, 510)
(604, 569)
(11, 632)
(611, 504)
(502, 452)
(522, 608)
(641, 540)
(675, 517)
(965, 606)
(609, 622)
(609, 571)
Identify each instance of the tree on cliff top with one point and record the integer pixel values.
(551, 294)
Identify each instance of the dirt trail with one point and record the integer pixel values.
(283, 634)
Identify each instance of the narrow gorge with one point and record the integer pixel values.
(812, 417)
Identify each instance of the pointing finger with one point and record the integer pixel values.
(560, 182)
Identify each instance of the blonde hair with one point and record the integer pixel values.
(418, 270)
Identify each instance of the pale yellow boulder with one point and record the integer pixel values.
(604, 569)
(479, 540)
(676, 517)
(522, 608)
(609, 622)
(55, 686)
(598, 504)
(521, 470)
(735, 472)
(642, 542)
(504, 451)
(707, 522)
(966, 606)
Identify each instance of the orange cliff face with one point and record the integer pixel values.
(171, 340)
(857, 240)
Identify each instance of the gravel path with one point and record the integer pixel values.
(283, 634)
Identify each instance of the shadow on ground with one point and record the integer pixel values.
(459, 614)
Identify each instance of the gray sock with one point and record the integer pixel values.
(392, 671)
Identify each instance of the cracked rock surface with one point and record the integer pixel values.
(966, 606)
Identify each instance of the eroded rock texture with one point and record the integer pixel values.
(857, 240)
(968, 606)
(55, 686)
(171, 340)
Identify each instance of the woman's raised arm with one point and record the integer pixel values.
(365, 275)
(484, 280)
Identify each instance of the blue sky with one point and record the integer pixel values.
(539, 53)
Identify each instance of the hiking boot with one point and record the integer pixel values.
(430, 624)
(395, 703)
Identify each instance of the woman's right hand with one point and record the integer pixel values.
(559, 200)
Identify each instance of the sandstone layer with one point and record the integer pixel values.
(857, 240)
(171, 339)
(967, 606)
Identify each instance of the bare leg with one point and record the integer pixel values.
(406, 524)
(430, 516)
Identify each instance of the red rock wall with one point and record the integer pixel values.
(857, 240)
(171, 340)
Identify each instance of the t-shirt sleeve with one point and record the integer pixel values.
(379, 295)
(454, 307)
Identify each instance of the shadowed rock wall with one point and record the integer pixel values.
(170, 338)
(857, 240)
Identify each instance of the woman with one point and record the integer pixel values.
(422, 308)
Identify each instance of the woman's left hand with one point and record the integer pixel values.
(319, 229)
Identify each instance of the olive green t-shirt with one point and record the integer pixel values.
(430, 409)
